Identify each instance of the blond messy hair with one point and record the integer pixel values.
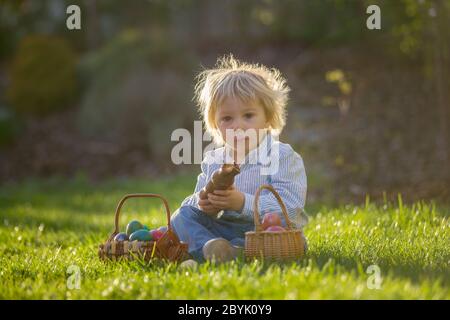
(246, 82)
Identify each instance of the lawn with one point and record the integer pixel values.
(49, 228)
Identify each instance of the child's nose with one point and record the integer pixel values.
(238, 124)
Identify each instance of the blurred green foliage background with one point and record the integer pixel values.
(369, 109)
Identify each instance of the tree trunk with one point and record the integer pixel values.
(441, 77)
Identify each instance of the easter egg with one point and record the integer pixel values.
(163, 229)
(134, 226)
(275, 229)
(157, 234)
(271, 219)
(121, 237)
(141, 235)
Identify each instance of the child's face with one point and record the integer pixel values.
(234, 114)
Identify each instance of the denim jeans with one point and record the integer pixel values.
(195, 228)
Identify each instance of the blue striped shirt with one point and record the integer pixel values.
(287, 177)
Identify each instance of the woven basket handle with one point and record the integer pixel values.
(137, 195)
(258, 227)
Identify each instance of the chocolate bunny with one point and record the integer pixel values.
(221, 179)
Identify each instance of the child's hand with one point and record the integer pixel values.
(207, 207)
(230, 199)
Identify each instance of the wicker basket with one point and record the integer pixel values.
(168, 247)
(276, 246)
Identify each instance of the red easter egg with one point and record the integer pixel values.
(275, 229)
(157, 234)
(271, 219)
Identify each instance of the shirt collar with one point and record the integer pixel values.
(253, 157)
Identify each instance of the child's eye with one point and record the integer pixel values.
(249, 115)
(226, 119)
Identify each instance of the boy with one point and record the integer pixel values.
(243, 108)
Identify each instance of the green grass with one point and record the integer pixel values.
(47, 226)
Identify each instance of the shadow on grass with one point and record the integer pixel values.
(84, 196)
(81, 206)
